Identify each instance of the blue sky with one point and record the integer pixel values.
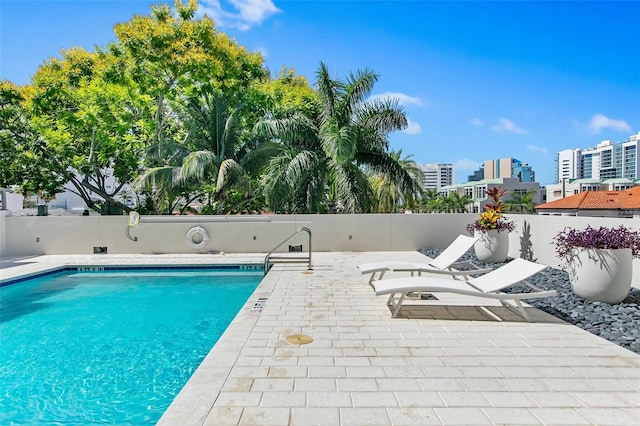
(478, 80)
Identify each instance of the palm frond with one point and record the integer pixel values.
(198, 164)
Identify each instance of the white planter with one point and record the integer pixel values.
(602, 275)
(492, 246)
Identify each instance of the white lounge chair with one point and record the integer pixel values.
(444, 263)
(487, 286)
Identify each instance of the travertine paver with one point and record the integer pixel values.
(444, 361)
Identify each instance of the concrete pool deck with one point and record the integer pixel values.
(447, 361)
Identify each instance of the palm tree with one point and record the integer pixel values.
(323, 160)
(458, 203)
(390, 198)
(211, 164)
(519, 202)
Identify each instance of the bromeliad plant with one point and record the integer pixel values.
(568, 240)
(492, 217)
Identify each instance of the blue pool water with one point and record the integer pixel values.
(111, 347)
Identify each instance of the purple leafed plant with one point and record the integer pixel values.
(601, 238)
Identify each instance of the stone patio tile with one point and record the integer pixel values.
(510, 399)
(352, 361)
(522, 372)
(443, 372)
(358, 385)
(279, 385)
(560, 416)
(374, 399)
(462, 416)
(249, 372)
(604, 399)
(399, 371)
(292, 372)
(419, 399)
(237, 384)
(366, 372)
(264, 416)
(463, 399)
(324, 399)
(440, 384)
(239, 399)
(327, 372)
(481, 384)
(283, 399)
(489, 372)
(554, 399)
(609, 416)
(522, 385)
(315, 416)
(586, 384)
(423, 361)
(364, 416)
(397, 384)
(314, 384)
(419, 416)
(222, 416)
(511, 416)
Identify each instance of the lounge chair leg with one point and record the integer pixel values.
(373, 276)
(518, 309)
(398, 305)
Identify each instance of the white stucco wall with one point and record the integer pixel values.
(34, 235)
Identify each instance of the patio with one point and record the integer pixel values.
(450, 362)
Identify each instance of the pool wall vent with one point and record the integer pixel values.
(99, 250)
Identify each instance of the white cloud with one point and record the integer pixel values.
(600, 121)
(247, 12)
(476, 121)
(413, 128)
(508, 126)
(466, 165)
(403, 99)
(540, 149)
(263, 51)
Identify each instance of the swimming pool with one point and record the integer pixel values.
(112, 346)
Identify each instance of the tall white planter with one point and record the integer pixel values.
(492, 246)
(602, 275)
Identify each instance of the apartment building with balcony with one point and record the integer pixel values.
(437, 175)
(608, 166)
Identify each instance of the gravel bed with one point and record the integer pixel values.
(619, 323)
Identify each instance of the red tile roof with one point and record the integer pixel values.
(608, 200)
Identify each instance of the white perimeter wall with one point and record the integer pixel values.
(35, 235)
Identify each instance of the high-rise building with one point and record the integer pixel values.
(504, 168)
(568, 164)
(437, 175)
(607, 160)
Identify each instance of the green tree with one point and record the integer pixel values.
(323, 159)
(458, 203)
(519, 202)
(211, 161)
(87, 122)
(390, 198)
(187, 68)
(175, 57)
(19, 163)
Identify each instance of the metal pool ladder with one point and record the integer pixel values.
(270, 258)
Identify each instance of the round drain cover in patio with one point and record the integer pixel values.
(299, 339)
